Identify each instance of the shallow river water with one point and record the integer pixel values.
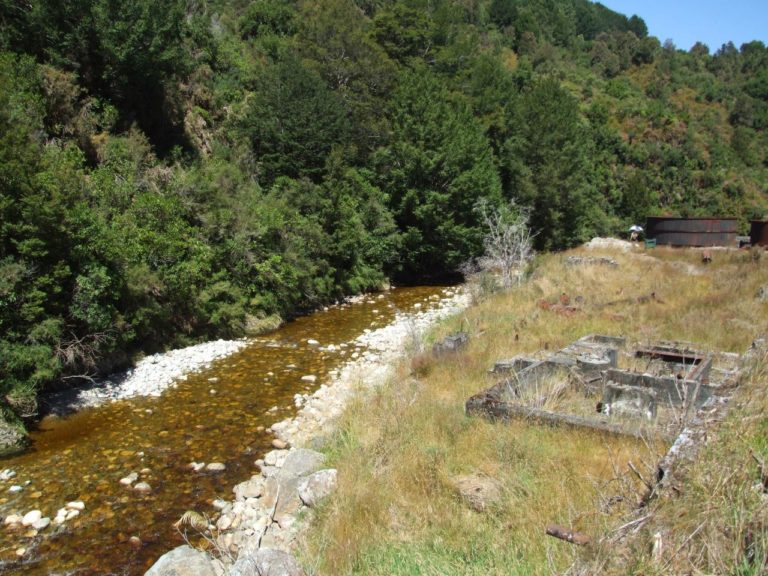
(213, 416)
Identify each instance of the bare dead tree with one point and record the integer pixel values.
(81, 353)
(508, 240)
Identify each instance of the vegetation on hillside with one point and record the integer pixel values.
(403, 450)
(176, 171)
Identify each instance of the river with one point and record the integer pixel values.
(216, 415)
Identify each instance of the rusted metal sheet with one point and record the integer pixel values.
(758, 233)
(692, 231)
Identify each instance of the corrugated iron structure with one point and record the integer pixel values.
(758, 233)
(692, 231)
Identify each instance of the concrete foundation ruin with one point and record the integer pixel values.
(656, 392)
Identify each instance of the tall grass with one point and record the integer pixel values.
(399, 450)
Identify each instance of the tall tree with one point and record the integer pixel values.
(555, 147)
(438, 164)
(292, 121)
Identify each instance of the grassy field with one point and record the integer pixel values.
(403, 451)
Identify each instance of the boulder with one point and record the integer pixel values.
(266, 562)
(301, 462)
(317, 486)
(182, 561)
(281, 488)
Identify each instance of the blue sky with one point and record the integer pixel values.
(713, 22)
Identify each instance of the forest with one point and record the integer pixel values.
(177, 171)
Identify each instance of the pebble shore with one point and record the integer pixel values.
(151, 376)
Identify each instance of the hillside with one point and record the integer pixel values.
(171, 172)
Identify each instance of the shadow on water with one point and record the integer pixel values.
(217, 415)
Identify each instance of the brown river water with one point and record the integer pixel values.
(83, 456)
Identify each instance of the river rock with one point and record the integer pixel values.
(75, 505)
(182, 561)
(275, 458)
(253, 488)
(309, 378)
(279, 444)
(266, 562)
(142, 488)
(31, 517)
(224, 522)
(130, 479)
(15, 489)
(216, 467)
(12, 519)
(317, 486)
(71, 514)
(42, 524)
(196, 466)
(300, 462)
(7, 474)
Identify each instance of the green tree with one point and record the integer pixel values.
(555, 147)
(292, 122)
(438, 164)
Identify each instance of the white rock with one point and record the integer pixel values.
(12, 519)
(7, 474)
(313, 342)
(309, 378)
(75, 505)
(15, 489)
(72, 514)
(224, 522)
(42, 524)
(271, 458)
(31, 517)
(216, 467)
(142, 488)
(130, 479)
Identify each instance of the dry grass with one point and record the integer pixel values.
(399, 451)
